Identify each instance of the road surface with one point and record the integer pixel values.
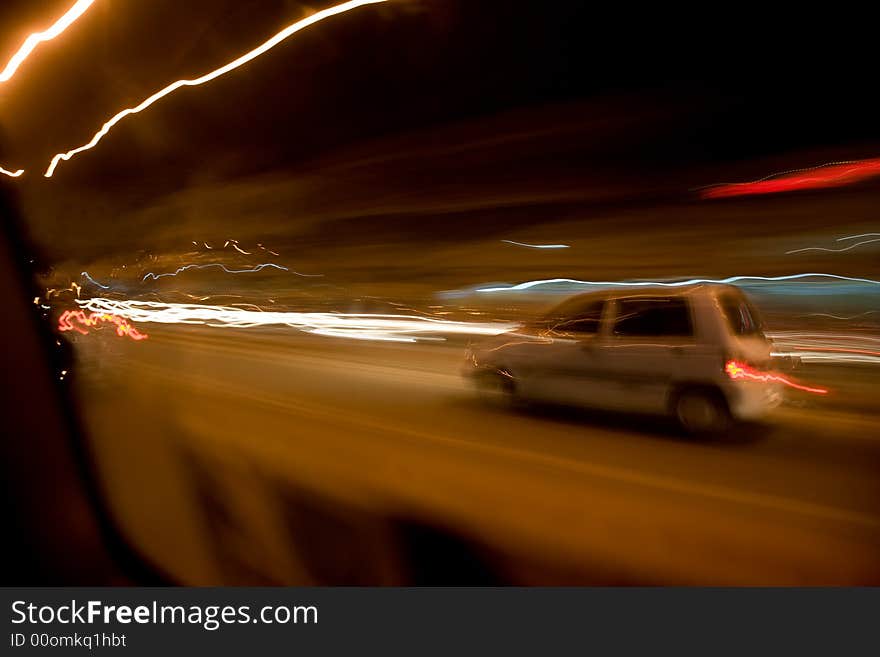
(270, 456)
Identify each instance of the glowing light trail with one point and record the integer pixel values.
(383, 327)
(91, 280)
(223, 70)
(538, 246)
(855, 237)
(77, 10)
(11, 174)
(123, 327)
(737, 370)
(224, 268)
(846, 248)
(833, 174)
(730, 280)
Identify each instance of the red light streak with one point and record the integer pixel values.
(832, 175)
(736, 370)
(123, 326)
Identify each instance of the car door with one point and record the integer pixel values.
(563, 368)
(650, 344)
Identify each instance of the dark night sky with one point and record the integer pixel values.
(763, 84)
(704, 91)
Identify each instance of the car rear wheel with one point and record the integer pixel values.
(701, 412)
(496, 388)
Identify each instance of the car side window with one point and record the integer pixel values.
(653, 316)
(741, 318)
(582, 322)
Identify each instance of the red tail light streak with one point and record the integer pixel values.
(79, 321)
(736, 370)
(208, 77)
(71, 15)
(834, 174)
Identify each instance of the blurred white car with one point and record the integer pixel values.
(695, 352)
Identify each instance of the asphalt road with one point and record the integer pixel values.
(260, 456)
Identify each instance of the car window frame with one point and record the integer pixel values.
(690, 338)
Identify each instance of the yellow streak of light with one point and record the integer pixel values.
(244, 59)
(11, 174)
(77, 10)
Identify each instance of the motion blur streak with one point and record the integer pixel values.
(831, 175)
(11, 174)
(77, 10)
(828, 346)
(730, 280)
(224, 268)
(846, 248)
(737, 370)
(397, 328)
(91, 280)
(537, 246)
(855, 237)
(244, 59)
(123, 327)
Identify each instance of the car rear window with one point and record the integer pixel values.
(741, 317)
(653, 316)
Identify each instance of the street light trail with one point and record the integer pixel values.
(731, 280)
(236, 63)
(537, 246)
(11, 174)
(77, 10)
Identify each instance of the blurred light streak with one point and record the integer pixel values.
(224, 268)
(32, 41)
(538, 246)
(91, 280)
(731, 280)
(57, 292)
(841, 317)
(11, 174)
(361, 326)
(827, 346)
(736, 370)
(236, 63)
(855, 237)
(832, 174)
(846, 248)
(123, 326)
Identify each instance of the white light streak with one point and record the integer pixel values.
(382, 327)
(855, 237)
(846, 248)
(91, 280)
(224, 268)
(730, 280)
(537, 246)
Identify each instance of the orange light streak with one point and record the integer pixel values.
(77, 10)
(242, 60)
